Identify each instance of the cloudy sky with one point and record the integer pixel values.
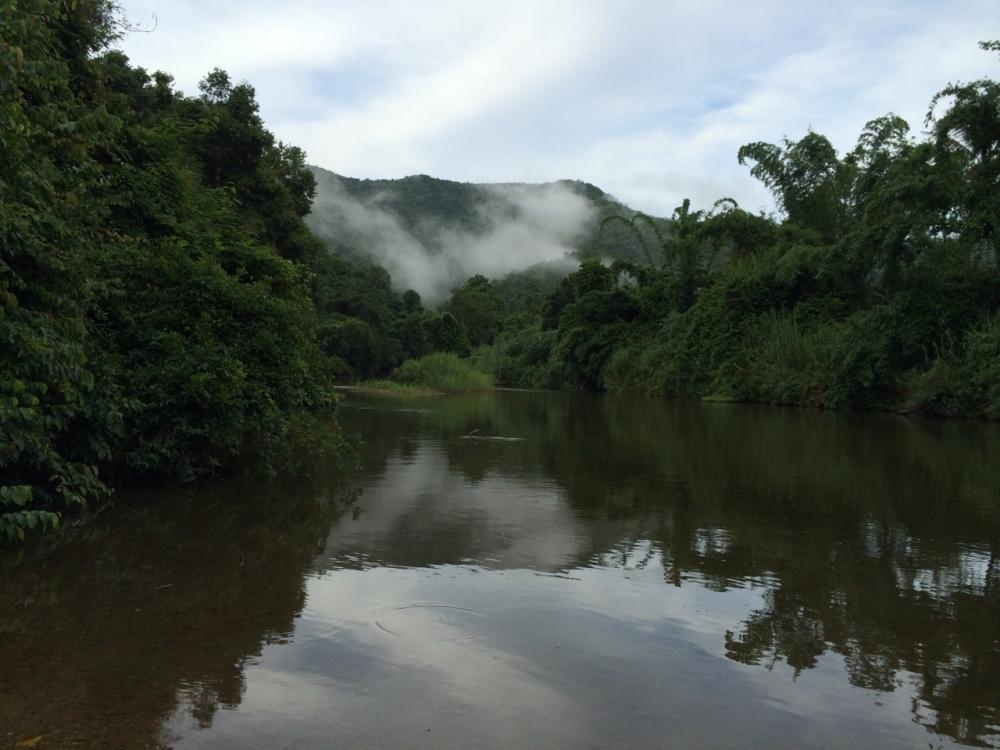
(648, 100)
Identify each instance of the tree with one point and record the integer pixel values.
(477, 307)
(55, 427)
(592, 325)
(444, 333)
(216, 86)
(970, 129)
(556, 302)
(154, 316)
(808, 180)
(412, 302)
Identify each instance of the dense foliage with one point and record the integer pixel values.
(878, 286)
(156, 311)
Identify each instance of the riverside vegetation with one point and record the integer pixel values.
(167, 315)
(156, 310)
(877, 287)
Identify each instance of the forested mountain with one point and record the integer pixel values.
(422, 203)
(432, 234)
(483, 256)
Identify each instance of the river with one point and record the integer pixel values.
(534, 570)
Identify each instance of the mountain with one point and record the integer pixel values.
(433, 234)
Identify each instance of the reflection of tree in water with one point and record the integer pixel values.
(890, 568)
(889, 562)
(150, 607)
(883, 625)
(876, 537)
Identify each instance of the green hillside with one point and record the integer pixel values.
(425, 205)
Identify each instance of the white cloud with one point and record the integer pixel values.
(649, 100)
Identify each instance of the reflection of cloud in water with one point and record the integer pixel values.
(421, 512)
(609, 659)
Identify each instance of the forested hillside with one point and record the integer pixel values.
(482, 258)
(425, 205)
(432, 234)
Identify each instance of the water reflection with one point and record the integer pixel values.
(626, 572)
(874, 538)
(164, 601)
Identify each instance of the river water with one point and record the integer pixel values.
(535, 570)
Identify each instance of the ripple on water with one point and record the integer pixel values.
(430, 622)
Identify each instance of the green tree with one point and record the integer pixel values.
(556, 302)
(412, 302)
(477, 307)
(155, 314)
(970, 130)
(55, 427)
(807, 178)
(444, 333)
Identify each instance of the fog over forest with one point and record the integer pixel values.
(510, 227)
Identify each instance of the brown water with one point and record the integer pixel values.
(612, 573)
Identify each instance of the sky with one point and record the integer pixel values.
(648, 100)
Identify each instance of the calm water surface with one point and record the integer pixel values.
(535, 570)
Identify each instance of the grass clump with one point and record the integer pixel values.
(442, 372)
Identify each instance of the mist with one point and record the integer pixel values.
(514, 227)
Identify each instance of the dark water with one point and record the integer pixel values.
(614, 573)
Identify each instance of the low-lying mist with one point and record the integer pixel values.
(507, 228)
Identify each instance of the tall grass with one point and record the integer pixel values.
(963, 381)
(443, 372)
(786, 364)
(636, 367)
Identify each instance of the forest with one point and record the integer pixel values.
(167, 315)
